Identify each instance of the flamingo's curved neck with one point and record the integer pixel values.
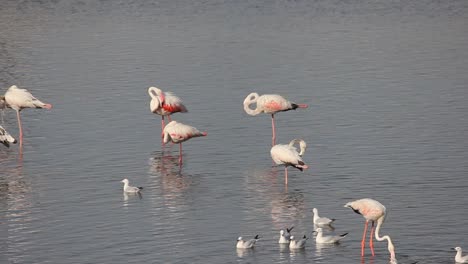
(391, 248)
(302, 146)
(250, 99)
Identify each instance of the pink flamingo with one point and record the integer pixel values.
(18, 99)
(269, 104)
(287, 155)
(178, 133)
(6, 138)
(165, 104)
(373, 211)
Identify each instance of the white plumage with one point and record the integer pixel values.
(458, 257)
(287, 155)
(246, 243)
(130, 189)
(321, 221)
(285, 236)
(297, 244)
(322, 239)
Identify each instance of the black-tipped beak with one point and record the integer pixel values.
(14, 142)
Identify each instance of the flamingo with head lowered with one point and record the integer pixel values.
(165, 104)
(287, 155)
(372, 211)
(178, 133)
(269, 104)
(18, 99)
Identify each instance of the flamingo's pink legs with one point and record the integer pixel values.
(163, 124)
(20, 128)
(371, 244)
(273, 139)
(363, 242)
(286, 175)
(169, 117)
(180, 154)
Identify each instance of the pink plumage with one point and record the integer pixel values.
(177, 133)
(287, 155)
(18, 99)
(269, 104)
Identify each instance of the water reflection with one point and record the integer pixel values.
(128, 196)
(245, 252)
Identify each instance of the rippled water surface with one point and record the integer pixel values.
(386, 84)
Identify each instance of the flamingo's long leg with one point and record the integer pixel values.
(180, 154)
(20, 126)
(163, 124)
(273, 139)
(363, 242)
(371, 244)
(286, 175)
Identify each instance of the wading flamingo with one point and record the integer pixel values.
(287, 155)
(130, 189)
(373, 211)
(165, 104)
(18, 99)
(178, 133)
(246, 243)
(321, 221)
(285, 236)
(321, 239)
(298, 244)
(269, 104)
(6, 138)
(458, 257)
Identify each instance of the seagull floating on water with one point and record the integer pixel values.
(458, 257)
(285, 236)
(130, 189)
(321, 239)
(321, 221)
(297, 244)
(246, 243)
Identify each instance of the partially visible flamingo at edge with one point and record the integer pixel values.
(165, 104)
(18, 99)
(177, 133)
(269, 104)
(287, 155)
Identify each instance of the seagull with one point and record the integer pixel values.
(6, 138)
(321, 239)
(130, 189)
(246, 243)
(321, 221)
(458, 257)
(285, 236)
(297, 244)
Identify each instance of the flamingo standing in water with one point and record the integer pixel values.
(178, 133)
(287, 155)
(269, 104)
(165, 104)
(18, 99)
(6, 138)
(373, 211)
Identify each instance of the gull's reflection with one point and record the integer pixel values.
(244, 252)
(128, 196)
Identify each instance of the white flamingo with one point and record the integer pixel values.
(285, 235)
(269, 104)
(165, 104)
(458, 257)
(18, 99)
(372, 211)
(130, 189)
(6, 138)
(178, 133)
(321, 221)
(298, 244)
(322, 239)
(246, 243)
(287, 155)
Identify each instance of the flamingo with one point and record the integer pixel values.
(458, 257)
(130, 189)
(298, 244)
(178, 133)
(372, 210)
(321, 221)
(285, 236)
(165, 104)
(246, 243)
(18, 99)
(6, 138)
(287, 155)
(269, 104)
(321, 239)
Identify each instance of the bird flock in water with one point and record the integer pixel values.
(166, 103)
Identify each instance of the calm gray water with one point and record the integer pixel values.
(386, 82)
